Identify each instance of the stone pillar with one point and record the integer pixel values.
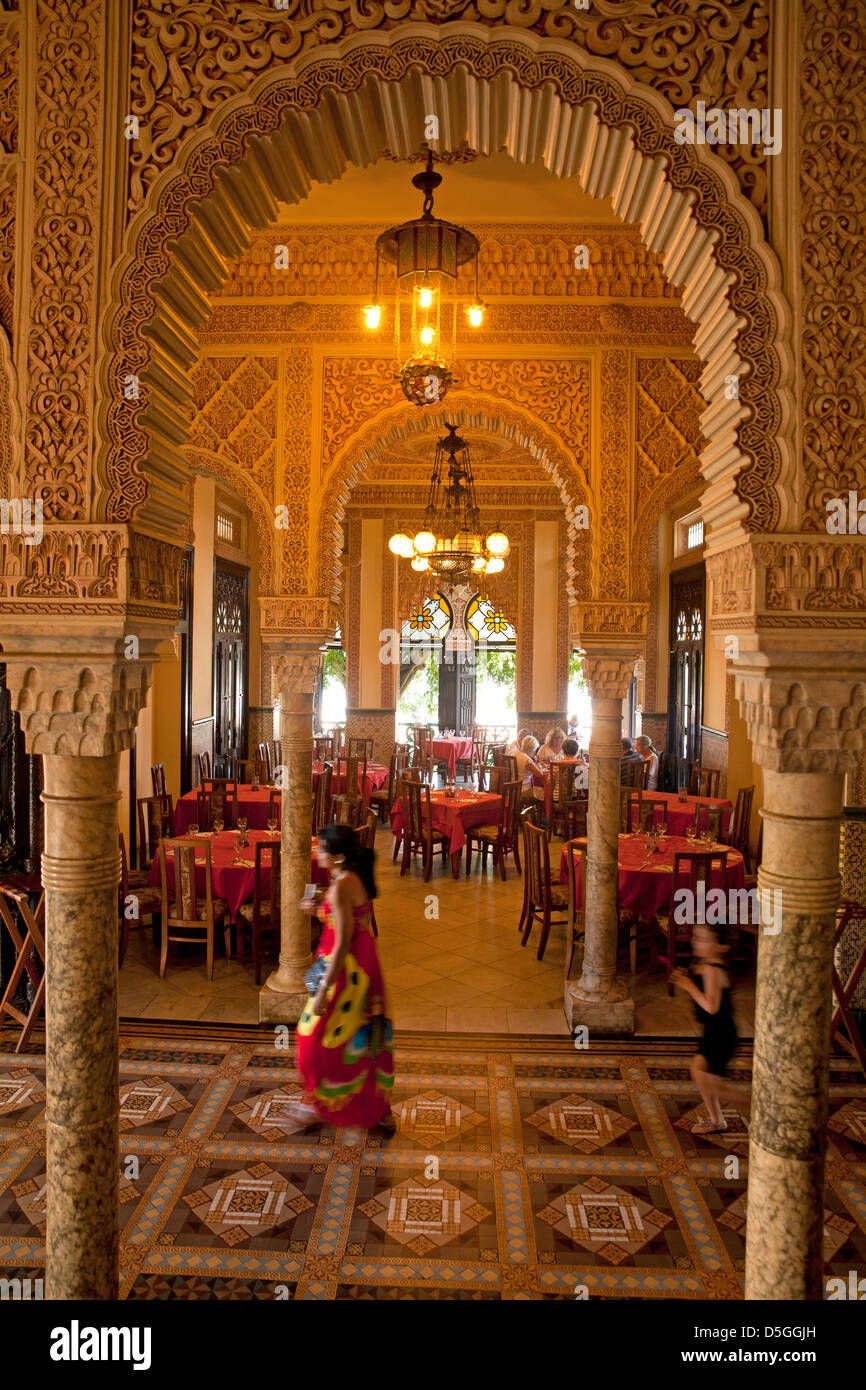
(787, 1133)
(80, 871)
(296, 674)
(598, 999)
(78, 700)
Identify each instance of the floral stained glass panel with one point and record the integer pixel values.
(486, 622)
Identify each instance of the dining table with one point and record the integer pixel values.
(375, 777)
(253, 803)
(452, 816)
(680, 814)
(449, 750)
(645, 876)
(233, 869)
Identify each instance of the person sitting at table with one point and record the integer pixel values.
(551, 749)
(573, 730)
(527, 764)
(517, 743)
(344, 1037)
(648, 754)
(629, 755)
(570, 748)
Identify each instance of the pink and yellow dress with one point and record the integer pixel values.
(345, 1056)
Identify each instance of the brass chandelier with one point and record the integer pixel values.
(451, 544)
(427, 254)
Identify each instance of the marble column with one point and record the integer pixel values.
(787, 1132)
(598, 999)
(80, 872)
(295, 675)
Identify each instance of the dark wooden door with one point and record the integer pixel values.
(686, 684)
(231, 659)
(457, 687)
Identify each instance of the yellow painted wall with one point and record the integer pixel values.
(742, 771)
(544, 616)
(370, 666)
(203, 513)
(715, 677)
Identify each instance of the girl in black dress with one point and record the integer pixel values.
(710, 987)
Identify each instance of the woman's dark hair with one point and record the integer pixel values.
(570, 747)
(342, 842)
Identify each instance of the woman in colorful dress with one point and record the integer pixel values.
(344, 1038)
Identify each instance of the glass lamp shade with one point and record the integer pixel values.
(372, 315)
(425, 380)
(479, 564)
(467, 541)
(425, 296)
(420, 563)
(475, 314)
(497, 543)
(425, 542)
(401, 545)
(494, 565)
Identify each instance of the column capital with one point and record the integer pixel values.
(296, 671)
(804, 713)
(78, 695)
(608, 673)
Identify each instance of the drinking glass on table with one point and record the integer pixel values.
(272, 824)
(218, 824)
(242, 824)
(193, 829)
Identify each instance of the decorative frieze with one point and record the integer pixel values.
(789, 581)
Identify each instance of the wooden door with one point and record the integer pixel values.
(231, 658)
(686, 684)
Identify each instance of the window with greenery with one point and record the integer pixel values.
(419, 700)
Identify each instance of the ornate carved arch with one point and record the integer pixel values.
(259, 506)
(679, 483)
(536, 97)
(469, 410)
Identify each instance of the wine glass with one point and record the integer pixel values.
(272, 824)
(691, 832)
(193, 829)
(218, 824)
(242, 824)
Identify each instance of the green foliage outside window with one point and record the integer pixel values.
(334, 667)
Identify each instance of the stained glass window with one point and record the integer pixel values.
(429, 621)
(486, 622)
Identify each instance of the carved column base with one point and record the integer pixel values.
(607, 1014)
(281, 998)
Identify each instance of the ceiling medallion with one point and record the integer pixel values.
(427, 254)
(451, 544)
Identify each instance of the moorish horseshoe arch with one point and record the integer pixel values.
(538, 98)
(469, 410)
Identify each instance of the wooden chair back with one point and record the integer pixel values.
(361, 748)
(562, 777)
(276, 756)
(692, 867)
(356, 775)
(180, 903)
(367, 830)
(708, 817)
(322, 807)
(347, 810)
(495, 780)
(652, 814)
(155, 820)
(275, 805)
(704, 781)
(263, 757)
(157, 777)
(416, 806)
(738, 834)
(575, 823)
(218, 800)
(271, 894)
(247, 770)
(576, 915)
(637, 774)
(512, 804)
(508, 763)
(630, 799)
(323, 748)
(537, 855)
(202, 765)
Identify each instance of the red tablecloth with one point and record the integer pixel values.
(377, 776)
(647, 888)
(233, 880)
(252, 803)
(454, 815)
(450, 749)
(681, 814)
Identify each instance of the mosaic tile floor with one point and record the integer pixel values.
(521, 1169)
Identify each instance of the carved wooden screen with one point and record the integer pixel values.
(686, 685)
(231, 656)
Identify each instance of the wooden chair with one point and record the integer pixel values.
(201, 763)
(421, 735)
(367, 838)
(361, 748)
(482, 761)
(503, 837)
(157, 777)
(662, 784)
(15, 912)
(541, 899)
(576, 915)
(382, 799)
(133, 886)
(575, 824)
(637, 774)
(708, 817)
(465, 767)
(630, 799)
(155, 820)
(247, 770)
(652, 814)
(495, 781)
(418, 832)
(275, 805)
(322, 806)
(690, 869)
(348, 810)
(562, 796)
(323, 748)
(261, 917)
(704, 781)
(276, 756)
(186, 917)
(738, 833)
(263, 757)
(218, 800)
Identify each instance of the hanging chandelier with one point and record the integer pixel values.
(427, 254)
(451, 544)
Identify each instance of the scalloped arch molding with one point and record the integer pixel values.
(536, 98)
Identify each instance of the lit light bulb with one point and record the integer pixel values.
(425, 297)
(497, 543)
(478, 564)
(494, 565)
(425, 542)
(401, 545)
(427, 335)
(372, 315)
(475, 314)
(420, 563)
